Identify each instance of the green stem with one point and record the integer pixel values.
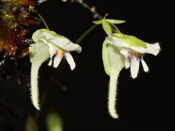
(43, 21)
(85, 34)
(32, 9)
(118, 31)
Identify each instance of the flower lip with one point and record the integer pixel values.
(59, 53)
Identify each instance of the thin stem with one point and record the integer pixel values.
(32, 9)
(85, 34)
(91, 9)
(96, 14)
(43, 21)
(115, 28)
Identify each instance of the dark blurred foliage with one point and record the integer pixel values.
(146, 103)
(15, 20)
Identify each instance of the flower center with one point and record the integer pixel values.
(134, 54)
(60, 53)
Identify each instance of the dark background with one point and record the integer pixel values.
(146, 103)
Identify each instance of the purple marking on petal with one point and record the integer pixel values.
(139, 57)
(56, 53)
(63, 55)
(130, 56)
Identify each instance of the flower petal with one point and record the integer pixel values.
(145, 67)
(134, 67)
(153, 48)
(70, 60)
(150, 48)
(57, 61)
(57, 40)
(125, 54)
(40, 33)
(115, 41)
(52, 50)
(105, 58)
(65, 44)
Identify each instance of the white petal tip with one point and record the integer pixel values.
(133, 76)
(154, 48)
(127, 65)
(146, 70)
(134, 67)
(79, 50)
(70, 60)
(134, 73)
(72, 65)
(50, 62)
(145, 67)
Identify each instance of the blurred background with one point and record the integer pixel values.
(80, 96)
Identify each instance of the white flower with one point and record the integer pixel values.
(48, 44)
(119, 51)
(59, 47)
(133, 49)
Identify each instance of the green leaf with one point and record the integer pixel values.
(54, 122)
(38, 52)
(98, 22)
(107, 28)
(114, 21)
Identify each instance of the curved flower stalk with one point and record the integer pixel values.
(119, 51)
(48, 44)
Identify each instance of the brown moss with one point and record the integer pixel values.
(15, 16)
